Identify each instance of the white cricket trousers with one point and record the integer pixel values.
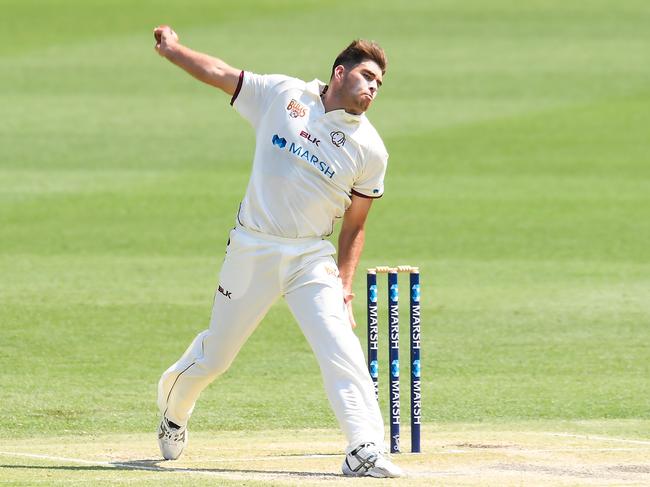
(257, 270)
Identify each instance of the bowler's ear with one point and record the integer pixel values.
(338, 72)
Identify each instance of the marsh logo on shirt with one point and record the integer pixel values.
(296, 109)
(301, 152)
(281, 142)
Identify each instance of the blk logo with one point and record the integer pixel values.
(338, 138)
(281, 142)
(310, 138)
(227, 294)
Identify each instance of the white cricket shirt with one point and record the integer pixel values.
(307, 162)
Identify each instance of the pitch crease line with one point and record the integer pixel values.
(538, 450)
(599, 438)
(53, 458)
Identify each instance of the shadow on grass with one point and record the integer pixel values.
(153, 466)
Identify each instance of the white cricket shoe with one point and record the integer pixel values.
(171, 440)
(368, 461)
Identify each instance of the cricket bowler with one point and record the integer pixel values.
(317, 159)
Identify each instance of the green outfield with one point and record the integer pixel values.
(519, 182)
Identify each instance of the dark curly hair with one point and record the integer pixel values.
(361, 50)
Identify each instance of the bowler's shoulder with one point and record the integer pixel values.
(285, 82)
(273, 82)
(366, 136)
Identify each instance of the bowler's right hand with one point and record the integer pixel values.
(347, 300)
(165, 39)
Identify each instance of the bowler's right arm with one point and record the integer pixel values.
(210, 70)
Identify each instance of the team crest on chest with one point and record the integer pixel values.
(338, 138)
(296, 109)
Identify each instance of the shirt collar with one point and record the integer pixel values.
(315, 87)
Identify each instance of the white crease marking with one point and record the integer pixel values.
(537, 450)
(599, 438)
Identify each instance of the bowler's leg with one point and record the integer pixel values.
(208, 356)
(316, 300)
(248, 287)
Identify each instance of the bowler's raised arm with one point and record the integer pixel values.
(209, 69)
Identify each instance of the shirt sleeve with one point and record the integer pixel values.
(370, 183)
(255, 93)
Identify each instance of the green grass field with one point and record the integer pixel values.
(519, 181)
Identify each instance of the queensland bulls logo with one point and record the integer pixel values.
(296, 109)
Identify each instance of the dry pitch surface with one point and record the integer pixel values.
(312, 457)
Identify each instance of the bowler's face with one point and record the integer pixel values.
(361, 85)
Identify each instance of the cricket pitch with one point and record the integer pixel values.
(451, 457)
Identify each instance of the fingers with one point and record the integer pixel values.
(157, 35)
(158, 32)
(164, 34)
(348, 306)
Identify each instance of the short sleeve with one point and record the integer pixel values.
(255, 93)
(370, 183)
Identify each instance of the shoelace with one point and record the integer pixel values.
(364, 463)
(169, 434)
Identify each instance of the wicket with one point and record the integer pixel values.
(393, 355)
